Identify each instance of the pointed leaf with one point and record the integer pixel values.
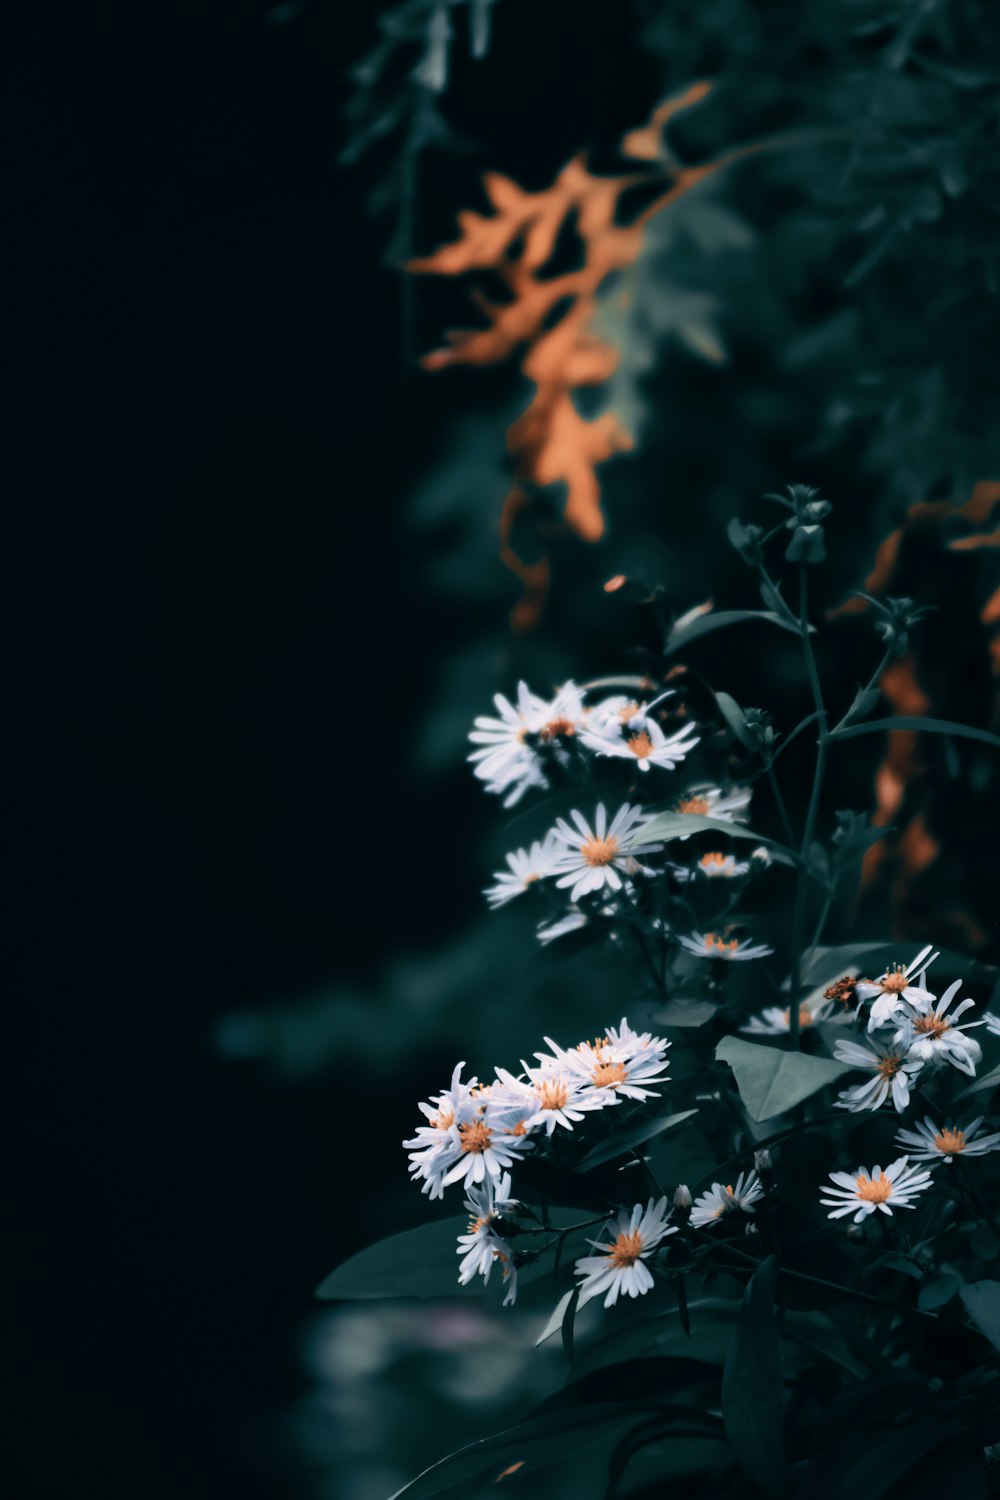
(717, 620)
(627, 1140)
(990, 1080)
(418, 1262)
(686, 1010)
(555, 1322)
(753, 1404)
(982, 1303)
(736, 719)
(522, 1449)
(771, 1081)
(670, 825)
(933, 726)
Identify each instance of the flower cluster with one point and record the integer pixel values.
(473, 1133)
(591, 863)
(909, 1030)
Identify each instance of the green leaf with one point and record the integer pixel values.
(990, 1080)
(753, 1404)
(982, 1303)
(687, 1011)
(419, 1262)
(933, 726)
(670, 825)
(704, 624)
(627, 1140)
(555, 1322)
(522, 1449)
(664, 1337)
(736, 719)
(938, 1289)
(771, 1081)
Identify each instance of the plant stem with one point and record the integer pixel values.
(799, 917)
(786, 822)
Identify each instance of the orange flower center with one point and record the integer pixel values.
(640, 745)
(557, 729)
(889, 1066)
(444, 1120)
(693, 805)
(628, 711)
(599, 851)
(475, 1137)
(950, 1141)
(627, 1249)
(932, 1025)
(727, 1203)
(607, 1074)
(519, 1129)
(895, 981)
(876, 1190)
(707, 860)
(476, 1224)
(719, 945)
(805, 1016)
(552, 1093)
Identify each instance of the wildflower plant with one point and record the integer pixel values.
(760, 1209)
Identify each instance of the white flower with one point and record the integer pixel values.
(526, 867)
(482, 1245)
(928, 1143)
(479, 1147)
(571, 922)
(892, 1066)
(714, 866)
(597, 857)
(861, 1193)
(625, 729)
(546, 1097)
(720, 1201)
(777, 1022)
(710, 945)
(620, 1267)
(893, 987)
(624, 1062)
(935, 1036)
(712, 802)
(509, 760)
(432, 1149)
(992, 1023)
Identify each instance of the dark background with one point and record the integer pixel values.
(225, 639)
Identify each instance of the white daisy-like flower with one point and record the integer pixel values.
(624, 1062)
(547, 932)
(892, 1067)
(934, 1037)
(713, 802)
(526, 867)
(508, 759)
(482, 1246)
(611, 714)
(480, 1147)
(712, 1207)
(714, 866)
(992, 1022)
(630, 733)
(432, 1149)
(620, 1268)
(544, 1098)
(862, 1192)
(928, 1143)
(598, 857)
(773, 1021)
(891, 989)
(711, 945)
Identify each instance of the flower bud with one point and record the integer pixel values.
(807, 545)
(761, 858)
(747, 541)
(764, 1167)
(682, 1202)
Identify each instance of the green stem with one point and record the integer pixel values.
(786, 822)
(799, 917)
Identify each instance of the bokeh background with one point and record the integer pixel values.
(263, 599)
